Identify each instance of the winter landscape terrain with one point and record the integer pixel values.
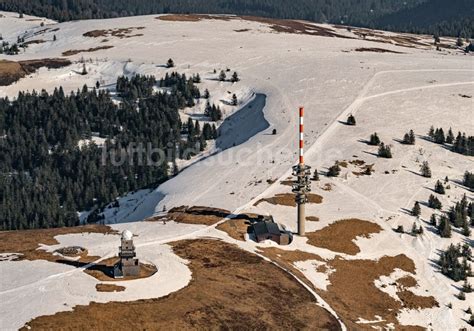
(355, 269)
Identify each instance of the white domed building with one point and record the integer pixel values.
(128, 264)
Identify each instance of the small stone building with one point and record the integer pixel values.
(128, 264)
(267, 229)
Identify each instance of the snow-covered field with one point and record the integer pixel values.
(388, 93)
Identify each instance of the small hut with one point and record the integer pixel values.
(128, 264)
(267, 229)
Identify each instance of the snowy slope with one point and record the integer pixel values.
(388, 93)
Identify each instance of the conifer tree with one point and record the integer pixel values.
(444, 228)
(222, 76)
(234, 100)
(206, 94)
(416, 211)
(431, 132)
(385, 151)
(450, 137)
(439, 188)
(425, 169)
(334, 170)
(433, 219)
(351, 120)
(315, 175)
(433, 202)
(235, 77)
(84, 69)
(170, 63)
(374, 139)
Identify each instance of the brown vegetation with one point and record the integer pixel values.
(109, 288)
(312, 218)
(339, 236)
(26, 242)
(192, 17)
(327, 187)
(230, 289)
(193, 215)
(277, 25)
(89, 50)
(119, 33)
(235, 228)
(376, 50)
(104, 270)
(353, 294)
(407, 281)
(288, 199)
(11, 71)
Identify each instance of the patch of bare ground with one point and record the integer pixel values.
(89, 50)
(71, 251)
(230, 290)
(288, 199)
(235, 228)
(403, 40)
(192, 215)
(26, 242)
(327, 187)
(286, 259)
(409, 299)
(376, 50)
(357, 162)
(312, 218)
(277, 25)
(366, 170)
(407, 281)
(104, 270)
(118, 32)
(339, 236)
(109, 288)
(191, 17)
(295, 27)
(11, 71)
(353, 294)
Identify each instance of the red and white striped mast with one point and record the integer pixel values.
(302, 184)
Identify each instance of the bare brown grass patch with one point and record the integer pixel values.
(376, 50)
(288, 199)
(26, 242)
(230, 289)
(191, 17)
(312, 218)
(89, 50)
(11, 71)
(118, 32)
(104, 270)
(193, 215)
(353, 294)
(109, 288)
(339, 236)
(235, 228)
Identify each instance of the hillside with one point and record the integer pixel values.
(419, 16)
(388, 235)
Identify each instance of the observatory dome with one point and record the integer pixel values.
(127, 235)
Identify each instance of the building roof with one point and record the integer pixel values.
(266, 227)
